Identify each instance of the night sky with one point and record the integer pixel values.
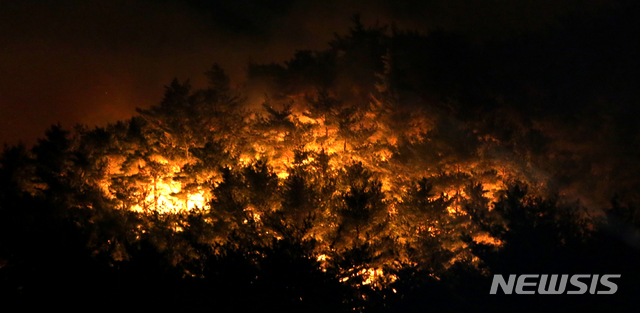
(95, 62)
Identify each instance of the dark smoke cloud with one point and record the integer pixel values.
(94, 62)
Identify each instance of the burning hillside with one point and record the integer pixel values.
(342, 164)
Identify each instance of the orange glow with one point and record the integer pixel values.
(162, 193)
(166, 202)
(169, 186)
(371, 276)
(486, 239)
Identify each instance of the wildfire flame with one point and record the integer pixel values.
(157, 185)
(165, 202)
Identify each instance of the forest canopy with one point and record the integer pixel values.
(390, 168)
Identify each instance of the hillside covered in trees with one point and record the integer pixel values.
(394, 171)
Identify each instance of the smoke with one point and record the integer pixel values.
(85, 62)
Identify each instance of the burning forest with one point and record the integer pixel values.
(395, 171)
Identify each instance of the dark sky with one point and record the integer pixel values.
(94, 62)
